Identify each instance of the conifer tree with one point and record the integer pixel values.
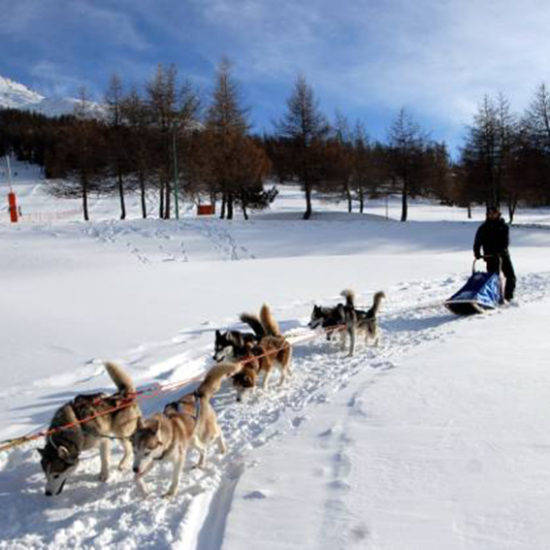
(226, 122)
(304, 127)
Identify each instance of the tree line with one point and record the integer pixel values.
(166, 140)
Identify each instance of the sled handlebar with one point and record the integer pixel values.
(487, 257)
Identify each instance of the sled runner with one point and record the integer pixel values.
(482, 291)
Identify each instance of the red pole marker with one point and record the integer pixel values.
(13, 206)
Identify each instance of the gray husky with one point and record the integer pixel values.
(61, 454)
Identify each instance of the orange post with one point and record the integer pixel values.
(13, 206)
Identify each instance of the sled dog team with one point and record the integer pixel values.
(191, 421)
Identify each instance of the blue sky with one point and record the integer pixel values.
(366, 58)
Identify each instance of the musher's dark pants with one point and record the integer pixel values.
(507, 270)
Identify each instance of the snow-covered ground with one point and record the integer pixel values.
(435, 439)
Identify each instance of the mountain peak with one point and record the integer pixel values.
(14, 95)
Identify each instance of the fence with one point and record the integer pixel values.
(44, 217)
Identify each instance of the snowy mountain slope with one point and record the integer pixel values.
(14, 95)
(17, 96)
(385, 450)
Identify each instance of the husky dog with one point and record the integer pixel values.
(327, 318)
(225, 342)
(361, 321)
(62, 452)
(189, 422)
(271, 349)
(251, 359)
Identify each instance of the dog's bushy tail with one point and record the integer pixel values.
(254, 323)
(210, 385)
(120, 377)
(269, 323)
(376, 301)
(213, 380)
(203, 414)
(349, 295)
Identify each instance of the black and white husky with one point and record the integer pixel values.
(328, 318)
(348, 320)
(361, 322)
(227, 342)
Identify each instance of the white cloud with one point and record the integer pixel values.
(437, 57)
(440, 57)
(117, 26)
(53, 81)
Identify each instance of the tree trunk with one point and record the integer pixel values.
(142, 193)
(245, 213)
(307, 213)
(121, 194)
(350, 201)
(230, 206)
(469, 211)
(224, 203)
(512, 205)
(361, 200)
(85, 199)
(161, 200)
(167, 191)
(404, 203)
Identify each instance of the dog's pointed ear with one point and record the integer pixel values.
(41, 451)
(63, 452)
(218, 333)
(140, 423)
(154, 426)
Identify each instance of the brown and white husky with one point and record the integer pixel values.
(190, 422)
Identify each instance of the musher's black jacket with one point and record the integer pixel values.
(493, 236)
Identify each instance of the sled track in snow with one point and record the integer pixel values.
(90, 514)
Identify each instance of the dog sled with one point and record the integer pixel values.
(482, 292)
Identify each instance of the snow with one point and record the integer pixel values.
(443, 448)
(14, 95)
(433, 439)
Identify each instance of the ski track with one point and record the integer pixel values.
(89, 514)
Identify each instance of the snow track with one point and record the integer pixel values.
(91, 514)
(154, 240)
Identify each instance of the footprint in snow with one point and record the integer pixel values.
(333, 430)
(360, 532)
(255, 495)
(339, 485)
(298, 420)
